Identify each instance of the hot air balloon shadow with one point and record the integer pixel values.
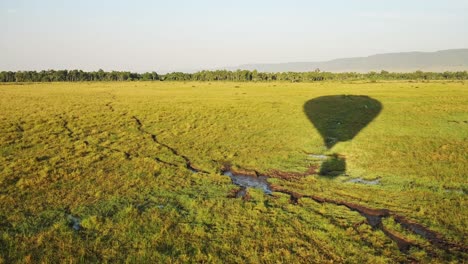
(340, 118)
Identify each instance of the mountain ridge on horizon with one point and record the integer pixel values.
(437, 61)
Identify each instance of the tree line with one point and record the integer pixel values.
(75, 76)
(220, 75)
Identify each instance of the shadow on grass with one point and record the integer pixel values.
(333, 166)
(340, 118)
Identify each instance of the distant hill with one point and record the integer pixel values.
(439, 61)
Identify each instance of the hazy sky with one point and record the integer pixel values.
(178, 35)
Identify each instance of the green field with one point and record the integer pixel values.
(102, 172)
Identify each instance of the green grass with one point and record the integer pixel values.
(75, 149)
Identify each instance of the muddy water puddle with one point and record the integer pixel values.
(318, 156)
(74, 222)
(247, 181)
(363, 181)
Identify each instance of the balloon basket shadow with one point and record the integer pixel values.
(333, 166)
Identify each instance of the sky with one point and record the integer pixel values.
(183, 35)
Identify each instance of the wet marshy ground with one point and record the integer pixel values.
(373, 216)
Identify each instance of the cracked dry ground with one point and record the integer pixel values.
(108, 165)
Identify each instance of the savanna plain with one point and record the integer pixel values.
(352, 172)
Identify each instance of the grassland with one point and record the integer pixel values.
(97, 172)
